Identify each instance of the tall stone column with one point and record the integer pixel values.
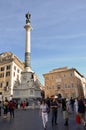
(27, 46)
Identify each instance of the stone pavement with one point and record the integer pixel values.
(30, 120)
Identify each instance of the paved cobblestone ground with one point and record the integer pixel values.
(30, 120)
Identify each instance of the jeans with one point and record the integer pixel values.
(54, 116)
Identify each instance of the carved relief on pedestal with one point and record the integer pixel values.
(16, 84)
(30, 83)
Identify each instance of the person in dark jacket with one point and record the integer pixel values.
(81, 110)
(0, 107)
(54, 107)
(65, 108)
(48, 103)
(72, 103)
(11, 108)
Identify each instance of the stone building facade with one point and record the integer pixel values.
(10, 71)
(64, 81)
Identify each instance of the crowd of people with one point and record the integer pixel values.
(9, 106)
(68, 106)
(75, 106)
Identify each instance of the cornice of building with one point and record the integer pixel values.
(57, 70)
(64, 69)
(7, 57)
(77, 72)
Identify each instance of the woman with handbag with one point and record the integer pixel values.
(78, 120)
(81, 110)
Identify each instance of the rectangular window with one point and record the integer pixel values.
(64, 75)
(6, 87)
(0, 93)
(8, 67)
(0, 85)
(2, 68)
(32, 76)
(14, 74)
(14, 67)
(7, 83)
(1, 75)
(7, 74)
(71, 74)
(72, 85)
(18, 70)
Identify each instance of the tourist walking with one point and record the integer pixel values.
(24, 105)
(11, 108)
(0, 107)
(48, 103)
(72, 103)
(44, 113)
(5, 107)
(81, 110)
(76, 106)
(65, 108)
(54, 107)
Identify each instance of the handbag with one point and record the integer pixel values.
(78, 119)
(48, 110)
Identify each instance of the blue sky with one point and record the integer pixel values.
(58, 37)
